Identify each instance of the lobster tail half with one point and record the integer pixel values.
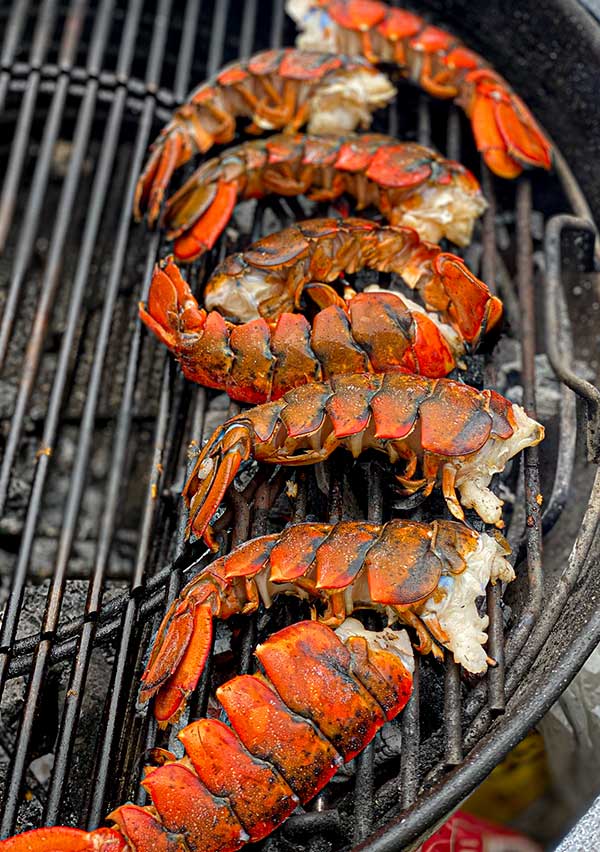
(289, 733)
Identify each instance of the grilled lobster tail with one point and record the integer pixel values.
(410, 184)
(276, 89)
(457, 436)
(289, 731)
(428, 576)
(271, 275)
(506, 133)
(259, 361)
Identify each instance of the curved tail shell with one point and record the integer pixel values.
(289, 733)
(506, 134)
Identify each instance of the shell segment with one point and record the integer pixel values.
(228, 770)
(412, 578)
(263, 722)
(321, 687)
(293, 555)
(454, 420)
(341, 557)
(186, 807)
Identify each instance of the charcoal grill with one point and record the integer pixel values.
(96, 422)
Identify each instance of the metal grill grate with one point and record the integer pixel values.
(96, 423)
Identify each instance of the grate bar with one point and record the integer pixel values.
(217, 37)
(19, 148)
(519, 634)
(452, 713)
(248, 29)
(409, 759)
(186, 51)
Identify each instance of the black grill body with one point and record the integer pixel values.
(96, 422)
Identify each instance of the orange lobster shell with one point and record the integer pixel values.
(259, 361)
(448, 429)
(275, 89)
(271, 275)
(291, 729)
(506, 133)
(410, 184)
(395, 568)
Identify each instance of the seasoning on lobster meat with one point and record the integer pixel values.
(276, 89)
(321, 700)
(271, 275)
(443, 431)
(259, 361)
(428, 576)
(506, 133)
(411, 185)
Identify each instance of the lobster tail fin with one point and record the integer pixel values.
(206, 225)
(506, 133)
(213, 473)
(180, 650)
(473, 310)
(171, 150)
(172, 308)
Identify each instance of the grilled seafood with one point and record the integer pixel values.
(275, 89)
(506, 133)
(271, 275)
(426, 575)
(289, 732)
(411, 185)
(455, 434)
(259, 361)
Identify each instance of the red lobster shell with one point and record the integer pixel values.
(289, 731)
(411, 185)
(452, 432)
(275, 89)
(425, 575)
(271, 275)
(259, 361)
(506, 133)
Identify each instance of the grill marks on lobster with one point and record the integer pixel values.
(443, 432)
(410, 184)
(506, 134)
(425, 575)
(275, 89)
(271, 275)
(288, 732)
(259, 360)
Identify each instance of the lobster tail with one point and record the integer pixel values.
(506, 134)
(239, 783)
(209, 225)
(179, 657)
(170, 151)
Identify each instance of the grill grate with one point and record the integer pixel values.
(98, 422)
